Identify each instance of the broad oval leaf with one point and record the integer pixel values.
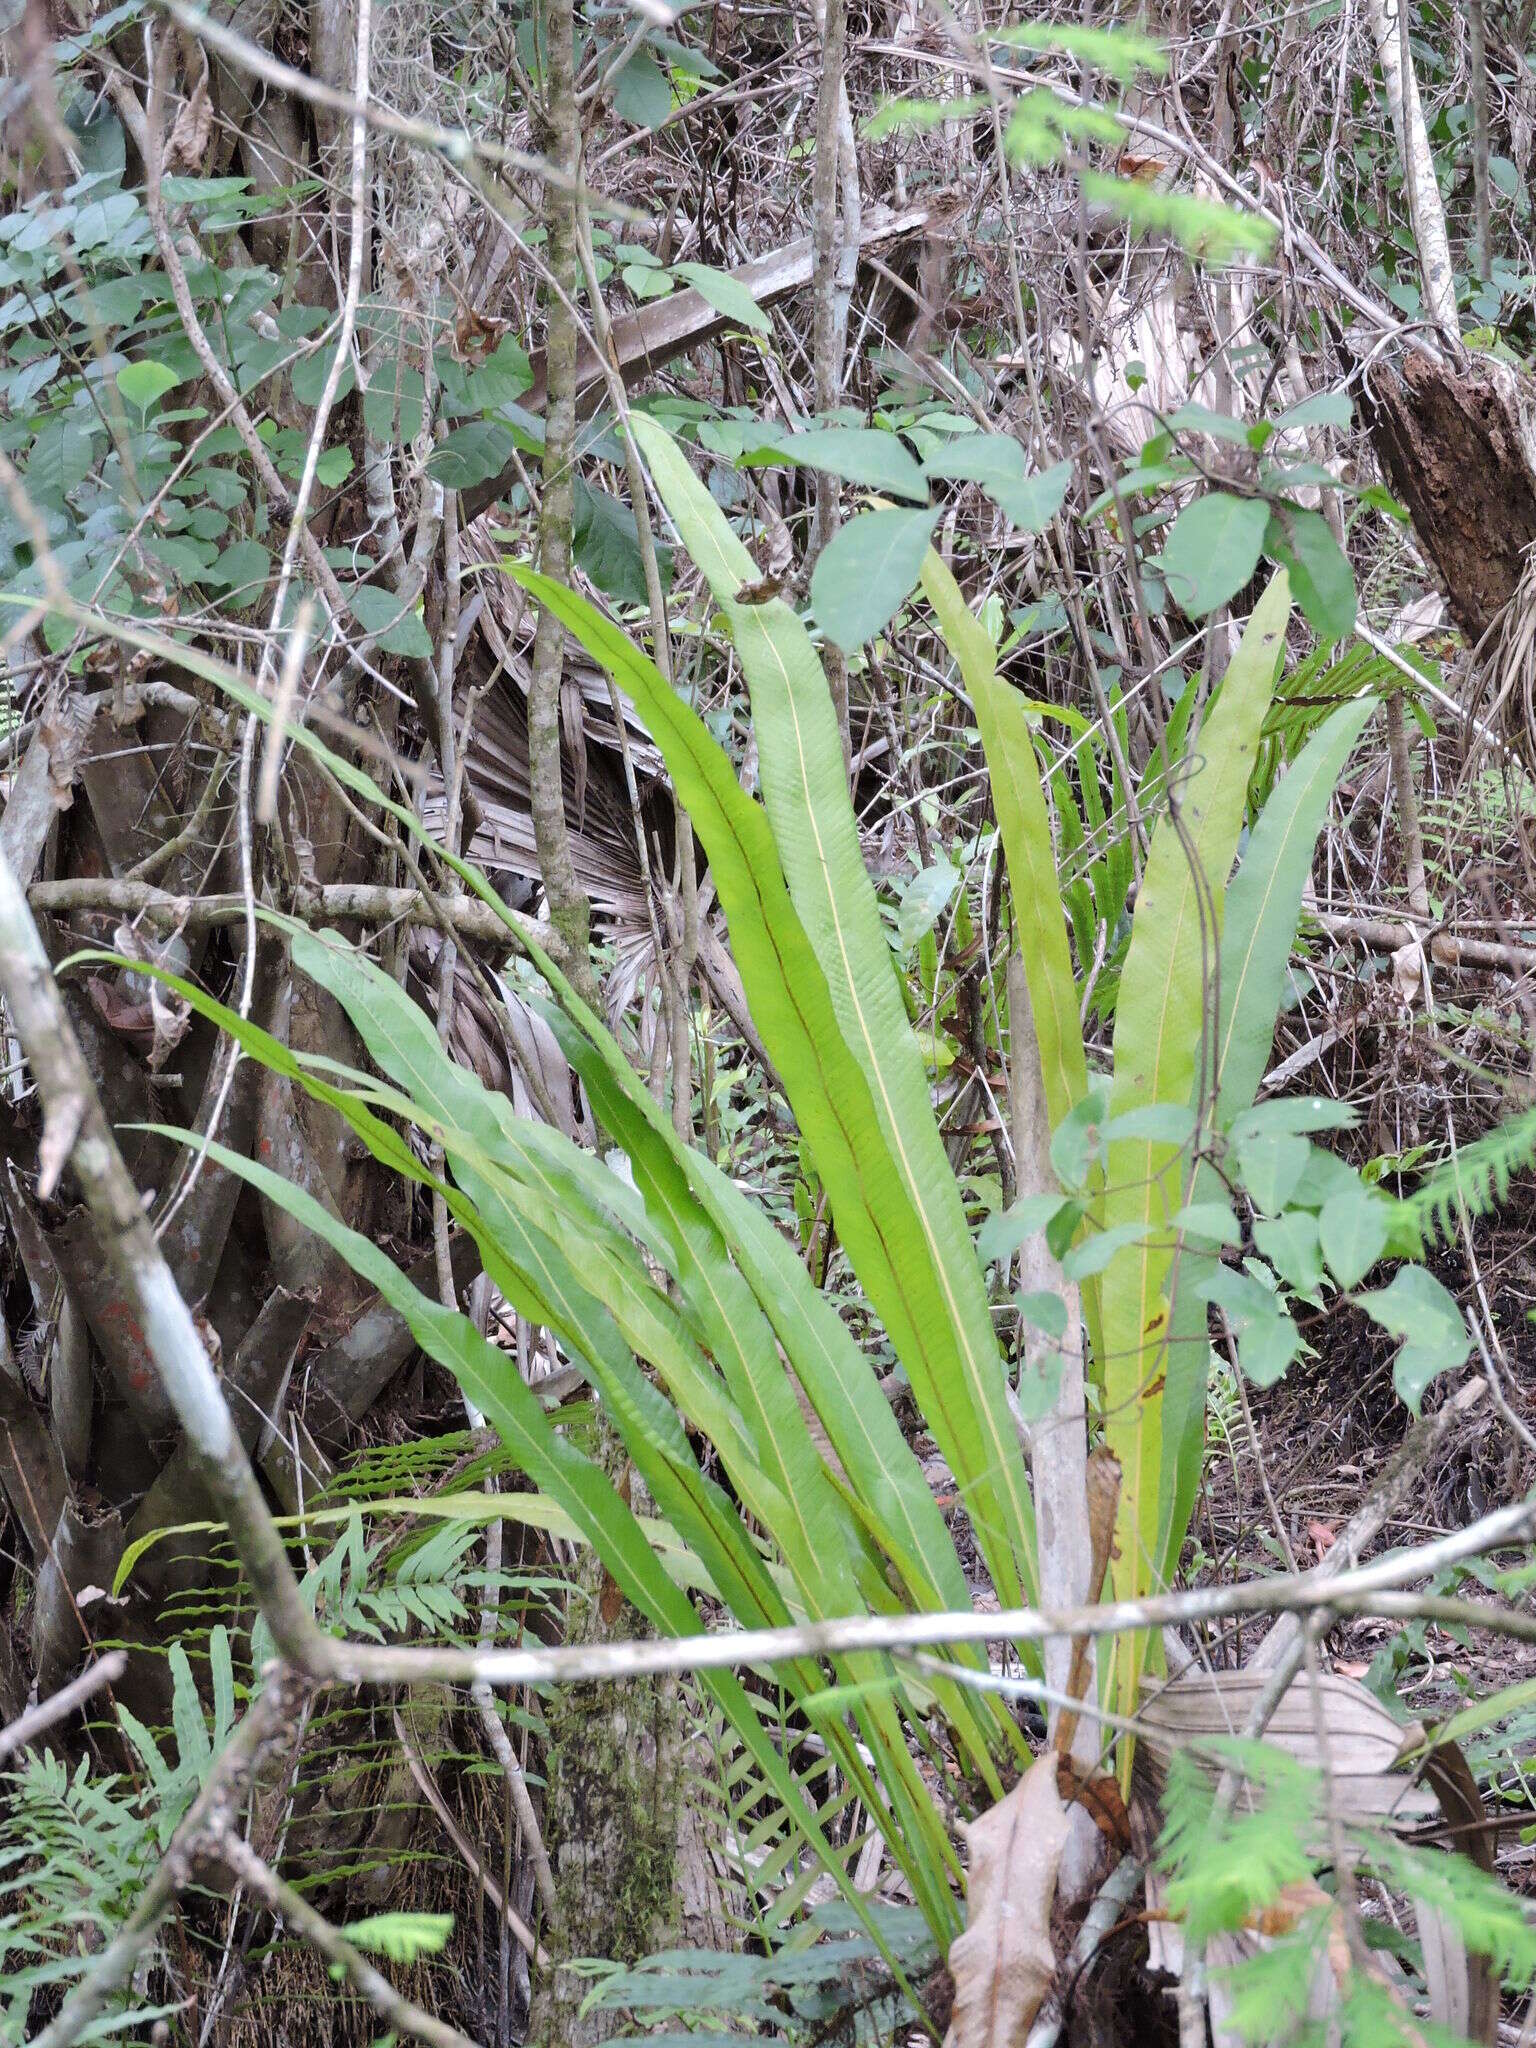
(978, 459)
(1212, 550)
(867, 571)
(398, 627)
(1033, 502)
(1320, 573)
(727, 294)
(471, 454)
(145, 382)
(1353, 1229)
(859, 455)
(1416, 1307)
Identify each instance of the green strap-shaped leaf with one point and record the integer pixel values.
(528, 1246)
(816, 834)
(881, 1472)
(881, 1229)
(537, 1276)
(530, 1216)
(1038, 910)
(1160, 1027)
(535, 1269)
(1026, 830)
(780, 1478)
(1263, 908)
(559, 1470)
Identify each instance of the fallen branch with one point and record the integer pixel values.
(333, 903)
(1382, 935)
(660, 330)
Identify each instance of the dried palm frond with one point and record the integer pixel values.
(1379, 1773)
(602, 827)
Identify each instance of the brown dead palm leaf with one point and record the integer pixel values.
(602, 826)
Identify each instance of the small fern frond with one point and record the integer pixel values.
(1476, 1180)
(401, 1937)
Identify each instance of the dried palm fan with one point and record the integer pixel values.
(1373, 1780)
(513, 1050)
(506, 616)
(597, 809)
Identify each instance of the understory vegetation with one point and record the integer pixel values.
(768, 955)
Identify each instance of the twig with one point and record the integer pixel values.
(501, 1743)
(298, 536)
(322, 903)
(1114, 1895)
(1445, 948)
(59, 1706)
(434, 1798)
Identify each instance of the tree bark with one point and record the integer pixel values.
(569, 910)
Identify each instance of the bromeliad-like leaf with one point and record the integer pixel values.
(792, 1006)
(1026, 831)
(1263, 909)
(562, 1472)
(895, 1501)
(1161, 1025)
(816, 833)
(1264, 906)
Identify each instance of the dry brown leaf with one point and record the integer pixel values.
(1290, 1906)
(1002, 1965)
(1408, 971)
(64, 730)
(192, 127)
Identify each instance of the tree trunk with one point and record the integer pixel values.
(569, 911)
